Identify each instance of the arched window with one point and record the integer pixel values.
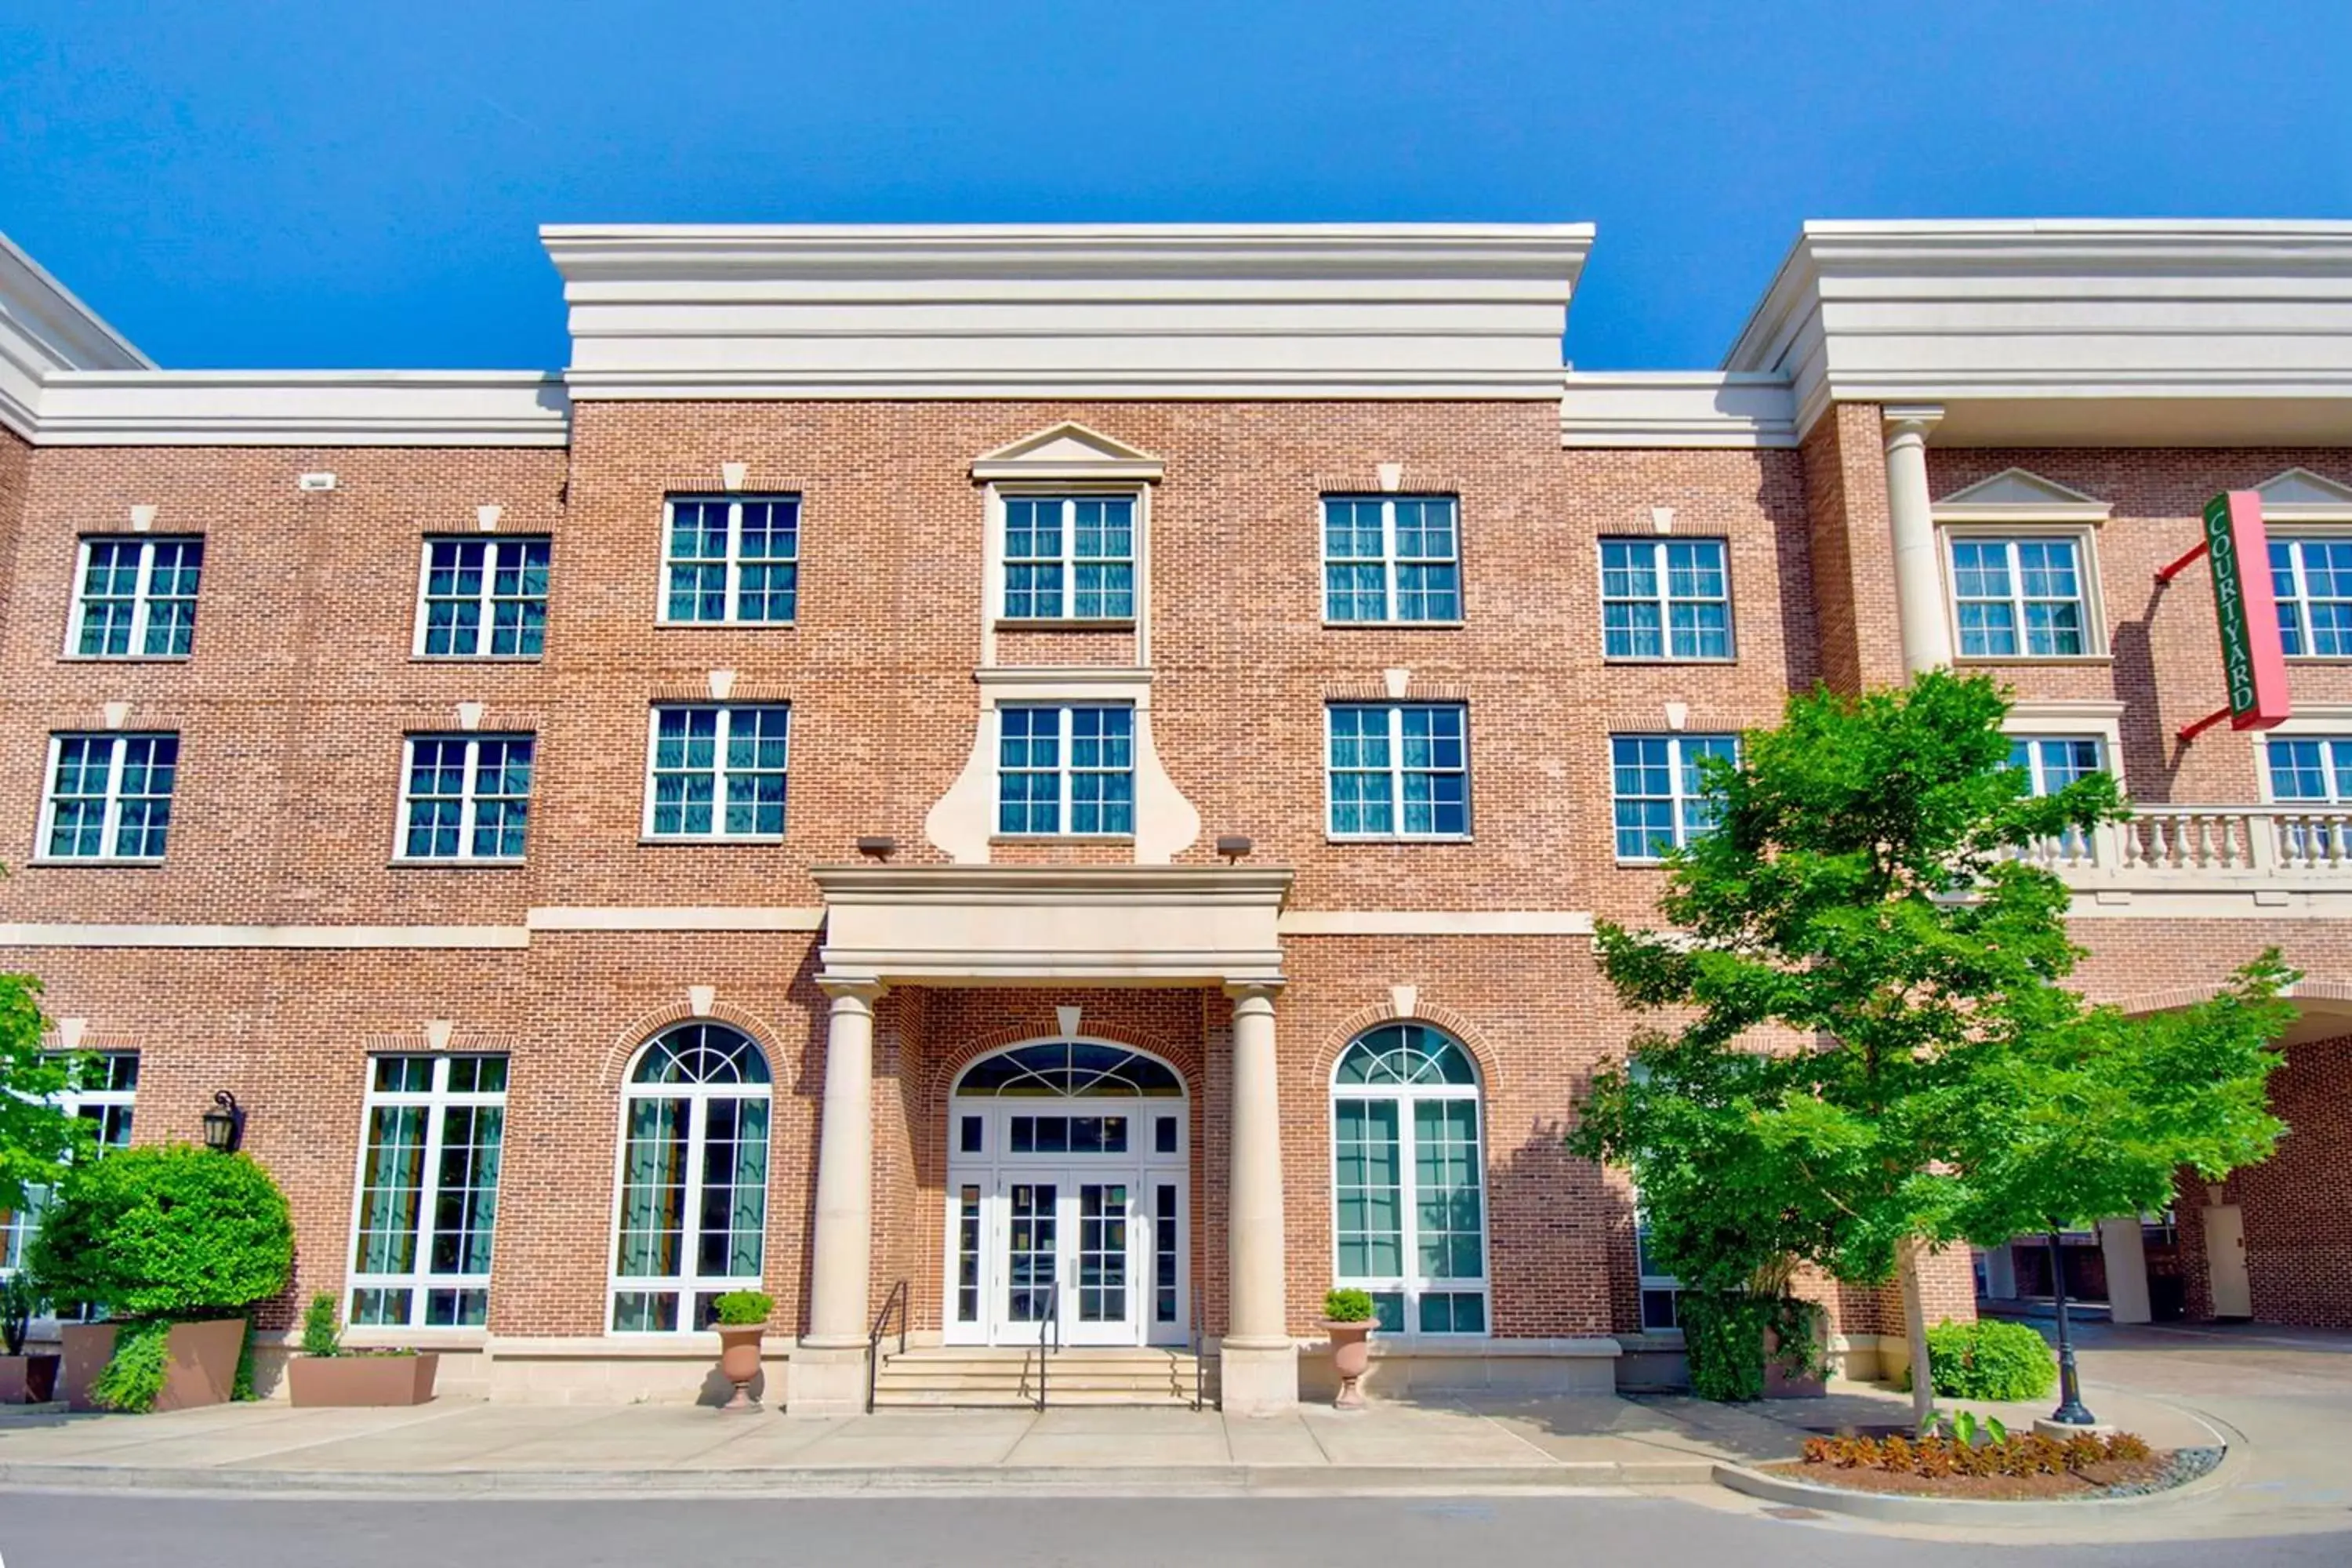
(694, 1178)
(1072, 1069)
(1409, 1179)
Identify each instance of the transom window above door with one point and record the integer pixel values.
(1071, 1070)
(731, 560)
(1392, 559)
(1069, 558)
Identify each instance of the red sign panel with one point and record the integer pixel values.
(2253, 661)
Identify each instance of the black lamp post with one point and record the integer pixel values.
(2070, 1411)
(224, 1123)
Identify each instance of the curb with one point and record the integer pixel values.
(1897, 1507)
(963, 1480)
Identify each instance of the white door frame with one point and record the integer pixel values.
(984, 1166)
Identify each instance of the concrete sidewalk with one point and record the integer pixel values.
(452, 1447)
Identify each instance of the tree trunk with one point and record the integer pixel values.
(1914, 1330)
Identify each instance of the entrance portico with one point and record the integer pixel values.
(1046, 1219)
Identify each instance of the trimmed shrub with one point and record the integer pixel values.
(1723, 1342)
(743, 1309)
(166, 1232)
(1346, 1304)
(1990, 1359)
(322, 1327)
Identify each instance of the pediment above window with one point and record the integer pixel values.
(2299, 493)
(2020, 495)
(1064, 452)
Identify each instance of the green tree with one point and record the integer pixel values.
(166, 1231)
(36, 1137)
(1863, 891)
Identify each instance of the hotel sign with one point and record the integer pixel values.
(2253, 663)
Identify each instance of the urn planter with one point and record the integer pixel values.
(341, 1382)
(738, 1362)
(87, 1348)
(29, 1379)
(1351, 1357)
(200, 1363)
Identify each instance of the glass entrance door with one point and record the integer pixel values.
(1064, 1234)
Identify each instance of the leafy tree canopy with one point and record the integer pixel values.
(168, 1231)
(35, 1137)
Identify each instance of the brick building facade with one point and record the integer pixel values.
(1167, 675)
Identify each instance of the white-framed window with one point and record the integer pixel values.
(1069, 558)
(482, 597)
(1066, 769)
(428, 1191)
(2308, 770)
(1409, 1198)
(1398, 770)
(464, 797)
(1659, 798)
(1661, 1292)
(137, 597)
(2051, 763)
(110, 796)
(1392, 559)
(2021, 596)
(692, 1217)
(105, 1093)
(1665, 599)
(718, 771)
(2312, 579)
(731, 560)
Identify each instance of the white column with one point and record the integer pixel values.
(1918, 572)
(826, 1376)
(1258, 1359)
(2124, 1247)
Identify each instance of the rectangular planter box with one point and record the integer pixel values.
(88, 1348)
(200, 1363)
(373, 1380)
(29, 1379)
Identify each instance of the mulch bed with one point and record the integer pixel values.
(2115, 1474)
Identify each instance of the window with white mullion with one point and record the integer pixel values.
(1392, 559)
(1664, 598)
(691, 1209)
(1065, 770)
(108, 796)
(2312, 580)
(427, 1205)
(1398, 770)
(1069, 558)
(718, 772)
(1658, 790)
(482, 598)
(466, 798)
(2021, 598)
(137, 597)
(733, 560)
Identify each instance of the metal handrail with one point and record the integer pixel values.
(1053, 1323)
(1200, 1352)
(897, 1299)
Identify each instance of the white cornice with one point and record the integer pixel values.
(303, 408)
(43, 329)
(2069, 333)
(1196, 312)
(1676, 408)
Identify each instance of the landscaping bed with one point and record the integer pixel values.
(2005, 1470)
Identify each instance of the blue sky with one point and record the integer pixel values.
(264, 183)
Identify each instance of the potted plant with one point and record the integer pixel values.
(1348, 1318)
(326, 1374)
(176, 1243)
(24, 1379)
(742, 1324)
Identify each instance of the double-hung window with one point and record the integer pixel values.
(428, 1191)
(2314, 772)
(718, 772)
(1660, 799)
(137, 597)
(110, 796)
(466, 798)
(1398, 770)
(1664, 598)
(483, 598)
(1069, 558)
(1065, 770)
(2024, 597)
(733, 560)
(1392, 559)
(2051, 763)
(2313, 581)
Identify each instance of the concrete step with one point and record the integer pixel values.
(1000, 1399)
(1006, 1377)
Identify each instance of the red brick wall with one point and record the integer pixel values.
(15, 472)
